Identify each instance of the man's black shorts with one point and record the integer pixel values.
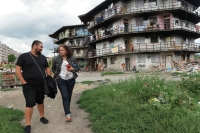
(33, 94)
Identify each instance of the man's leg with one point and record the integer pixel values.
(40, 104)
(41, 109)
(28, 114)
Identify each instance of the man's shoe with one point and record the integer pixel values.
(44, 120)
(27, 129)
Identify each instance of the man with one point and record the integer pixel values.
(32, 81)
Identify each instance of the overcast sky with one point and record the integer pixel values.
(23, 21)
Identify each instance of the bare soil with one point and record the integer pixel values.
(53, 112)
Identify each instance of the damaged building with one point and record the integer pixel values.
(74, 37)
(148, 34)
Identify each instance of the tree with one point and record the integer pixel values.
(11, 58)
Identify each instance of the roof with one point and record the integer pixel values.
(104, 5)
(55, 34)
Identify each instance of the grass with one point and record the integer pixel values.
(87, 82)
(110, 73)
(6, 89)
(9, 120)
(145, 104)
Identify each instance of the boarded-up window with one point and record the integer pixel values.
(141, 59)
(155, 58)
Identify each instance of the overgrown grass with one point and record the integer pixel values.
(9, 120)
(110, 73)
(145, 104)
(87, 82)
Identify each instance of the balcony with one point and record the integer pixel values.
(145, 8)
(145, 27)
(63, 37)
(148, 47)
(81, 55)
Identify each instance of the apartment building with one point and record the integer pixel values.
(5, 51)
(148, 34)
(74, 37)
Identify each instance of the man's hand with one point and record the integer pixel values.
(19, 74)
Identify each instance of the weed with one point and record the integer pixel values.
(110, 73)
(87, 82)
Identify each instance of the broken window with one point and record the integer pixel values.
(154, 39)
(152, 0)
(78, 51)
(112, 60)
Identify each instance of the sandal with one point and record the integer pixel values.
(68, 119)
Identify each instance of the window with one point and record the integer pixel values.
(152, 0)
(141, 59)
(141, 40)
(78, 42)
(112, 60)
(154, 39)
(139, 21)
(78, 51)
(104, 45)
(155, 58)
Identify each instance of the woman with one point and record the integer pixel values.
(65, 74)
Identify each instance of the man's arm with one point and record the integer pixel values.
(48, 71)
(19, 74)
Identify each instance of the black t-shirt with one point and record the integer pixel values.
(30, 70)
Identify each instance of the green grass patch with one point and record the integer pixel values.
(87, 82)
(7, 66)
(144, 104)
(9, 120)
(110, 73)
(6, 89)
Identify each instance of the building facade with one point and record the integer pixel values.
(148, 34)
(74, 37)
(5, 51)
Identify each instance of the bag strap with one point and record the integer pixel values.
(37, 65)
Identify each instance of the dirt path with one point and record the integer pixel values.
(53, 111)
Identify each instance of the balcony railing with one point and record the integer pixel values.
(82, 55)
(71, 35)
(149, 47)
(144, 27)
(146, 7)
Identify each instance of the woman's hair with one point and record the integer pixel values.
(69, 51)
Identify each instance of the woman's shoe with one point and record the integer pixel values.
(68, 119)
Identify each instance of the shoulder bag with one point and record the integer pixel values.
(46, 89)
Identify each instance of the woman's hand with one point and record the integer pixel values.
(70, 69)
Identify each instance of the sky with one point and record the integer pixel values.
(23, 21)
